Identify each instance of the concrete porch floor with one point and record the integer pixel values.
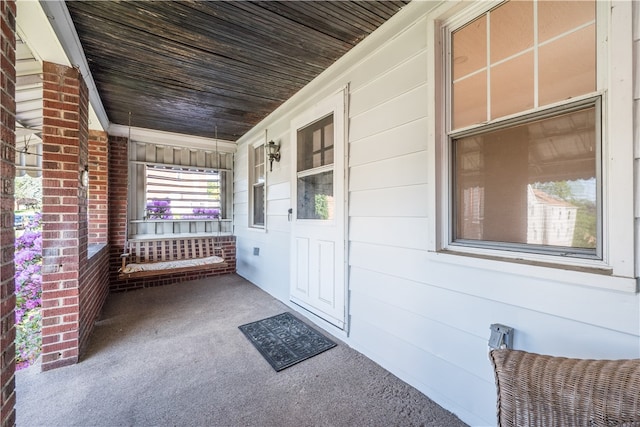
(174, 356)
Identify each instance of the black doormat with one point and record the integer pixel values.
(284, 340)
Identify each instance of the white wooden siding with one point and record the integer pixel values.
(407, 170)
(636, 125)
(405, 139)
(424, 315)
(405, 77)
(400, 110)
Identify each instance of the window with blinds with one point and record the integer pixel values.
(182, 194)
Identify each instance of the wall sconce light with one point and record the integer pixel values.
(273, 153)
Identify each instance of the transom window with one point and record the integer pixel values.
(524, 129)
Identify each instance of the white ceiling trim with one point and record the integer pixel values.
(47, 29)
(171, 139)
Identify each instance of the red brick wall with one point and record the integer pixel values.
(7, 174)
(117, 202)
(118, 171)
(94, 288)
(228, 243)
(94, 282)
(98, 187)
(64, 211)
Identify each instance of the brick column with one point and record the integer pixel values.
(64, 208)
(7, 175)
(98, 186)
(118, 172)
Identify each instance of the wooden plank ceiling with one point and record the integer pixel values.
(194, 66)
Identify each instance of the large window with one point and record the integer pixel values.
(257, 189)
(173, 193)
(524, 129)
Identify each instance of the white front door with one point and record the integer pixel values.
(318, 271)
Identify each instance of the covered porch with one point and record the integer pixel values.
(359, 100)
(173, 355)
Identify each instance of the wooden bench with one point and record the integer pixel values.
(158, 255)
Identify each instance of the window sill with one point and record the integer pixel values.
(579, 275)
(145, 237)
(169, 220)
(94, 248)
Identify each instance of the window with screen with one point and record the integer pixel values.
(257, 189)
(315, 170)
(173, 193)
(525, 129)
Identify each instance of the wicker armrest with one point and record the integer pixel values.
(539, 390)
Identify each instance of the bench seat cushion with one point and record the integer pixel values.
(171, 265)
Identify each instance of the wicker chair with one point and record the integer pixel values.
(538, 390)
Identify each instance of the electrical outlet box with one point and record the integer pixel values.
(256, 251)
(501, 336)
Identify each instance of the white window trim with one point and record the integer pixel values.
(617, 269)
(251, 167)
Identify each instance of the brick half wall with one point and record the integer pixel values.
(227, 243)
(98, 187)
(118, 188)
(94, 289)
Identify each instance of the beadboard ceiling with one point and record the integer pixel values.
(214, 68)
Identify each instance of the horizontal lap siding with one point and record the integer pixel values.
(422, 315)
(427, 319)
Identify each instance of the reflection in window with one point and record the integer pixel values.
(510, 79)
(524, 150)
(315, 144)
(315, 196)
(315, 170)
(534, 183)
(257, 169)
(174, 193)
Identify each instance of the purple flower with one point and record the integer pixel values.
(28, 291)
(203, 213)
(159, 209)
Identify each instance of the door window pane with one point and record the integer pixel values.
(315, 144)
(315, 196)
(315, 188)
